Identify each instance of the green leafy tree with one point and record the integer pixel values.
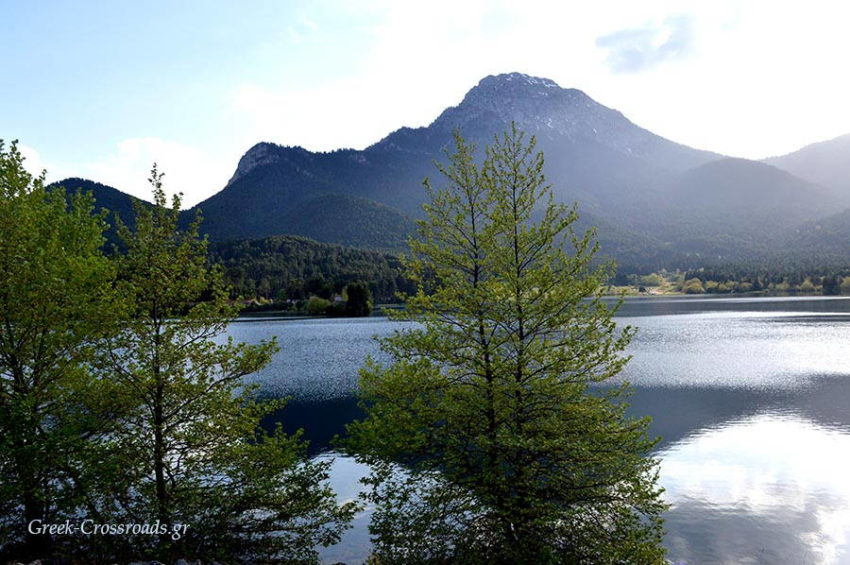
(694, 286)
(317, 306)
(190, 451)
(807, 285)
(359, 301)
(490, 443)
(55, 299)
(653, 279)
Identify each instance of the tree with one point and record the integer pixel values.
(190, 451)
(55, 300)
(807, 285)
(359, 301)
(694, 286)
(490, 443)
(653, 279)
(317, 306)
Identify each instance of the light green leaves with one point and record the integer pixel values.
(492, 399)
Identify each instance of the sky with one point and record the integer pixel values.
(101, 90)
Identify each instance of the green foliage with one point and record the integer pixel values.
(108, 200)
(807, 285)
(357, 302)
(488, 440)
(318, 306)
(186, 447)
(693, 286)
(831, 285)
(294, 268)
(653, 279)
(781, 278)
(55, 299)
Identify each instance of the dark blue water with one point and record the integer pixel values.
(751, 397)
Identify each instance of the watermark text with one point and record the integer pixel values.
(92, 528)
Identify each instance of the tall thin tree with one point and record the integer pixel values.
(190, 452)
(490, 440)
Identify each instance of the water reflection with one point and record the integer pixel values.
(770, 488)
(680, 412)
(345, 480)
(750, 396)
(764, 350)
(321, 420)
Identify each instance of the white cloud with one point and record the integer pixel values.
(188, 169)
(419, 62)
(402, 78)
(33, 163)
(637, 49)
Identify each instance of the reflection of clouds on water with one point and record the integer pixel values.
(766, 489)
(345, 481)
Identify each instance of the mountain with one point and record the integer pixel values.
(826, 163)
(105, 197)
(735, 207)
(595, 155)
(656, 203)
(826, 239)
(330, 217)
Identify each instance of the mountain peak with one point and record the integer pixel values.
(516, 79)
(541, 107)
(262, 153)
(826, 163)
(497, 90)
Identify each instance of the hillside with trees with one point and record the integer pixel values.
(294, 268)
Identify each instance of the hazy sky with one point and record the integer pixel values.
(102, 89)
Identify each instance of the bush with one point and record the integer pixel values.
(317, 306)
(807, 285)
(651, 280)
(693, 286)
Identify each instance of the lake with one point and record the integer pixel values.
(750, 395)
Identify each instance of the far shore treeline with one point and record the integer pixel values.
(297, 275)
(282, 273)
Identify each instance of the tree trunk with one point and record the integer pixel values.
(159, 459)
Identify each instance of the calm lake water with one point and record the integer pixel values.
(750, 395)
